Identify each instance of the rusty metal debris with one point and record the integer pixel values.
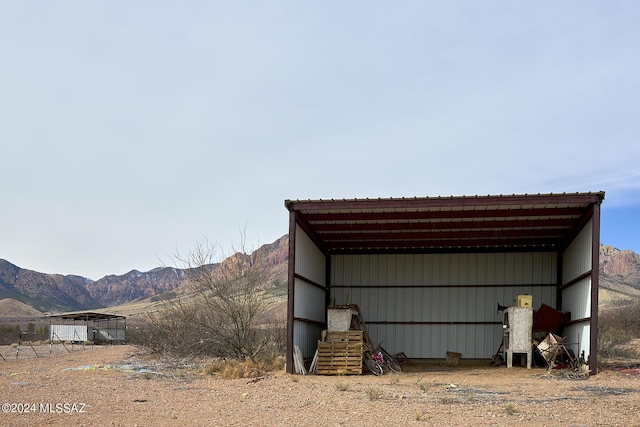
(561, 361)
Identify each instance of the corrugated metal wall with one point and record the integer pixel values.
(310, 262)
(70, 333)
(576, 261)
(440, 302)
(309, 303)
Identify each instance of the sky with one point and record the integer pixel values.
(130, 131)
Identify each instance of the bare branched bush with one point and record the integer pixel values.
(221, 313)
(616, 328)
(171, 331)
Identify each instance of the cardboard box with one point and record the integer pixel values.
(524, 301)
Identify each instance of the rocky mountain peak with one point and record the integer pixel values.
(621, 264)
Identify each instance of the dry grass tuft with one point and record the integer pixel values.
(373, 393)
(423, 385)
(342, 386)
(511, 408)
(232, 369)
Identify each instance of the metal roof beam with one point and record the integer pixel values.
(446, 225)
(455, 214)
(330, 238)
(443, 243)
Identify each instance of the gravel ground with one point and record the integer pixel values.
(119, 386)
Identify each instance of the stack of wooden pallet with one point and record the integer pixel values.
(339, 353)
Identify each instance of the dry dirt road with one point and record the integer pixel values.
(119, 386)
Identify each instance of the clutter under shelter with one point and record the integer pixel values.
(533, 338)
(345, 348)
(428, 272)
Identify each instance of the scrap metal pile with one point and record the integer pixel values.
(560, 359)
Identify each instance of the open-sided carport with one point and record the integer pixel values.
(87, 326)
(428, 272)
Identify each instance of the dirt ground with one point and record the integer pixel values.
(120, 386)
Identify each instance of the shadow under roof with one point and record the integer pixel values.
(529, 222)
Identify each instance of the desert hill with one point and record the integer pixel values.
(44, 292)
(11, 308)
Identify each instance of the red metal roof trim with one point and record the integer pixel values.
(534, 222)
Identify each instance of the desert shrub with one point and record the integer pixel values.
(9, 334)
(220, 314)
(612, 342)
(616, 328)
(179, 331)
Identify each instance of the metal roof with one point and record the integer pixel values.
(540, 222)
(87, 316)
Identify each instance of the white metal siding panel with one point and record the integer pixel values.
(306, 336)
(576, 260)
(70, 333)
(439, 300)
(309, 260)
(577, 338)
(437, 304)
(309, 300)
(444, 269)
(433, 341)
(577, 299)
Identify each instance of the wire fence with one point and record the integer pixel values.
(30, 350)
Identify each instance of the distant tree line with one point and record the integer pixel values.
(10, 334)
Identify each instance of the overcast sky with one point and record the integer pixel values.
(131, 130)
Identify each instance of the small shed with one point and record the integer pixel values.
(429, 272)
(84, 326)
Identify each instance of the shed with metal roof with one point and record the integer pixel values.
(80, 326)
(428, 272)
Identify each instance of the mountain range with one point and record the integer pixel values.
(619, 280)
(59, 293)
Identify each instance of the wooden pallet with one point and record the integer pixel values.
(340, 353)
(348, 336)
